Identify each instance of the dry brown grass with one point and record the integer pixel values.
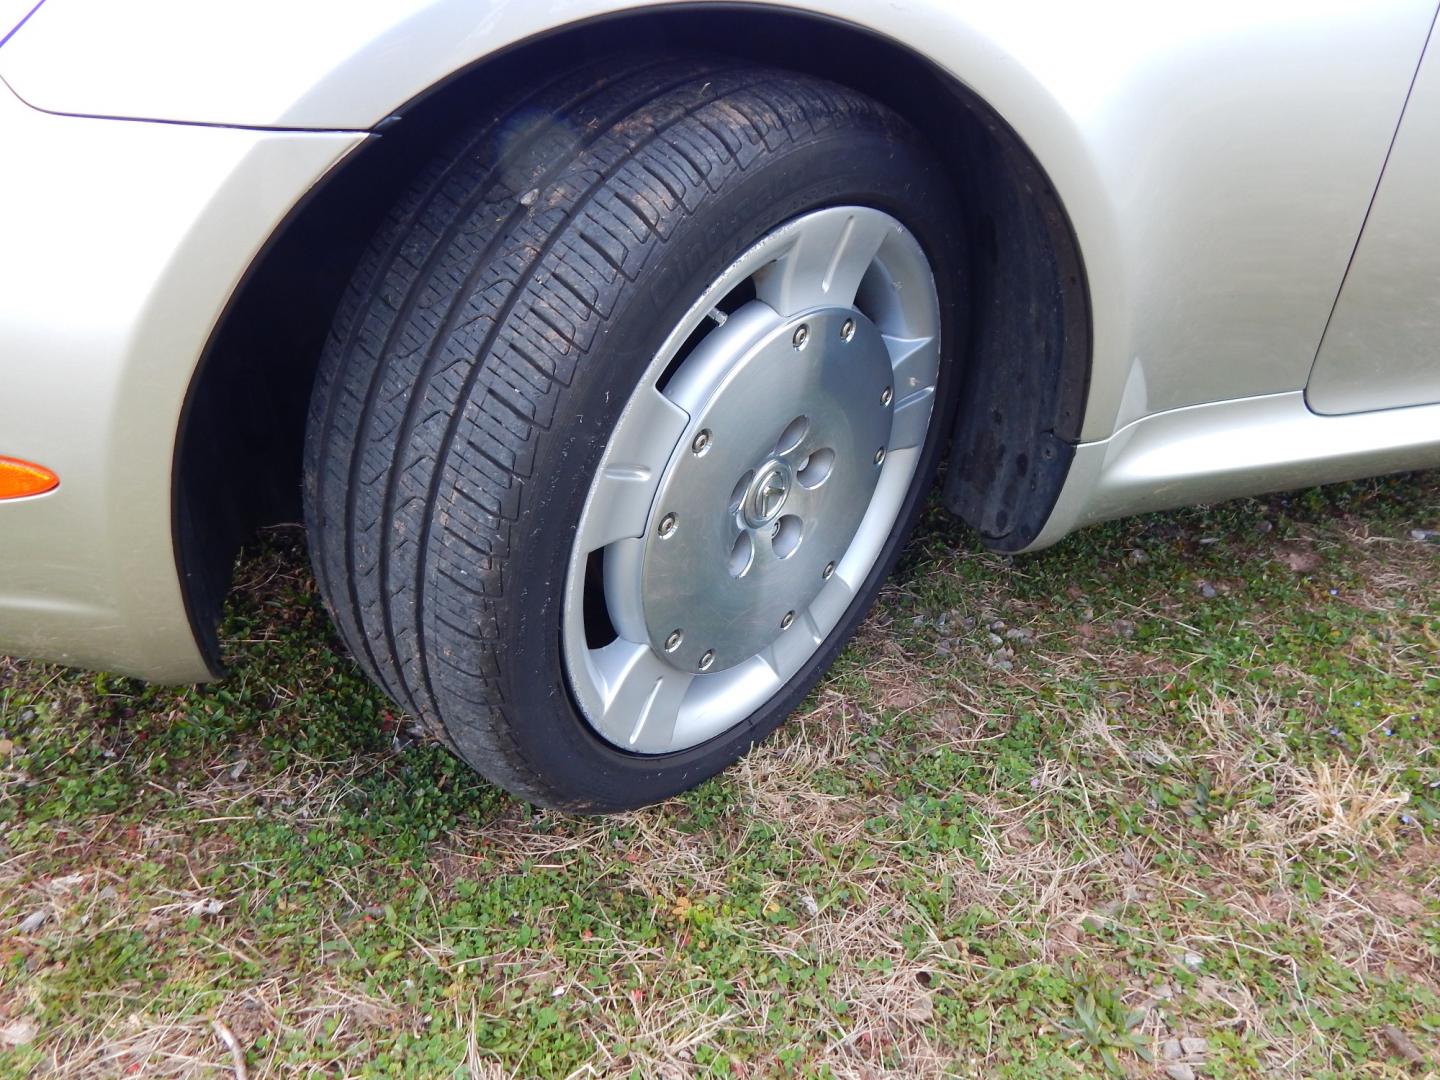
(870, 895)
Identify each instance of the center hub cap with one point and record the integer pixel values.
(767, 494)
(789, 419)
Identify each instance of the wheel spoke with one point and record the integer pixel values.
(824, 263)
(914, 361)
(912, 420)
(625, 486)
(830, 605)
(642, 696)
(788, 652)
(624, 560)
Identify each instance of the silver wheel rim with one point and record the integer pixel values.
(748, 489)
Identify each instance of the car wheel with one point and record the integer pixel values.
(625, 415)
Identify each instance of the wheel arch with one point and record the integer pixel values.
(1026, 363)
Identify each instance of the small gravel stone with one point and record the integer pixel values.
(1423, 534)
(995, 640)
(1208, 591)
(1194, 1045)
(1171, 1051)
(18, 1033)
(1179, 1071)
(64, 884)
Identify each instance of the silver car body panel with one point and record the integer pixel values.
(1204, 453)
(1382, 347)
(1216, 162)
(110, 281)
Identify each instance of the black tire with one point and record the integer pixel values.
(486, 344)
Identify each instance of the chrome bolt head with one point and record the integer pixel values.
(879, 457)
(673, 641)
(802, 335)
(847, 330)
(886, 396)
(828, 572)
(700, 443)
(787, 621)
(707, 659)
(667, 525)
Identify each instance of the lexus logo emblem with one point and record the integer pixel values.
(767, 494)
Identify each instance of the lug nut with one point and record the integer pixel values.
(701, 443)
(673, 641)
(802, 335)
(707, 659)
(847, 330)
(886, 396)
(828, 572)
(787, 621)
(667, 524)
(879, 457)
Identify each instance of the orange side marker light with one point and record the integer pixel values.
(20, 478)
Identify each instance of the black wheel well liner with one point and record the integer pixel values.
(1026, 363)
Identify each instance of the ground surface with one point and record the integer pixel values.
(1176, 779)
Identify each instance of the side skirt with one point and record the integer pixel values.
(1226, 449)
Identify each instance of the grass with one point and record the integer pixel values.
(1175, 779)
